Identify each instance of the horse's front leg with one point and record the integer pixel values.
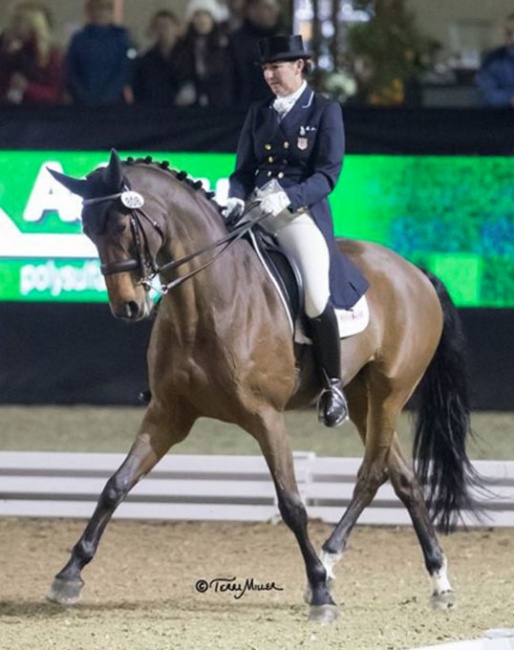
(271, 434)
(159, 430)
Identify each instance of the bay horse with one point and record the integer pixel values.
(221, 347)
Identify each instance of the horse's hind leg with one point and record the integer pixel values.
(158, 432)
(384, 459)
(409, 492)
(269, 430)
(375, 420)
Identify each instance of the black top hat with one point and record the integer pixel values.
(282, 48)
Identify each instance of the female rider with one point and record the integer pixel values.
(296, 140)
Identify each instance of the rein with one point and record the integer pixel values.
(146, 262)
(233, 236)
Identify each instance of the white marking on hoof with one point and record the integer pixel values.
(443, 596)
(443, 601)
(329, 561)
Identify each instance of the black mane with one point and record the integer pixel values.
(97, 187)
(179, 175)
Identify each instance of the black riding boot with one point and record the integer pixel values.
(332, 406)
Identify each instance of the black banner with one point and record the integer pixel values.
(437, 131)
(78, 353)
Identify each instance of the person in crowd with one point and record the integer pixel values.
(235, 16)
(389, 55)
(155, 80)
(30, 65)
(202, 59)
(495, 78)
(289, 156)
(99, 59)
(262, 19)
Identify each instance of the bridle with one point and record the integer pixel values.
(144, 261)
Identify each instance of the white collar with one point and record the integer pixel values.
(285, 103)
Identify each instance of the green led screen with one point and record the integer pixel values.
(453, 215)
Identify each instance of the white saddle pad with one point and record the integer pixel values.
(351, 321)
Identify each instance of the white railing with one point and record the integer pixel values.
(229, 488)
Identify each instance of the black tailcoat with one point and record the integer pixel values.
(305, 153)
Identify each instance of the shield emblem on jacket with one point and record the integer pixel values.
(302, 143)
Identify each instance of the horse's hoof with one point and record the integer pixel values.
(323, 613)
(65, 592)
(443, 600)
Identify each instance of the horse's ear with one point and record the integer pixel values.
(75, 185)
(112, 175)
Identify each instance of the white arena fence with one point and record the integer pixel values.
(495, 639)
(222, 488)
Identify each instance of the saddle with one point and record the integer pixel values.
(287, 280)
(282, 270)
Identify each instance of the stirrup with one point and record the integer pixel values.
(339, 410)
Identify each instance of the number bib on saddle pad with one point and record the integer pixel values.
(350, 321)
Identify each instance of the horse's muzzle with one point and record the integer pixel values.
(131, 310)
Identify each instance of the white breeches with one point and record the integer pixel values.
(302, 240)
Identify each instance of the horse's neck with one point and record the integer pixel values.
(194, 229)
(228, 297)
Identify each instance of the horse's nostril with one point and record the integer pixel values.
(132, 309)
(128, 310)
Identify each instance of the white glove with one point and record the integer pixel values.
(275, 203)
(234, 208)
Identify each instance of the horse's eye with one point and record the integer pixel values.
(117, 227)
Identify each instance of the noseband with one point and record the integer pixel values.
(145, 261)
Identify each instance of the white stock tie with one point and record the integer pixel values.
(284, 104)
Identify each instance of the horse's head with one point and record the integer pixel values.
(127, 239)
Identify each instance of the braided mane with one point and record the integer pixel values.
(181, 176)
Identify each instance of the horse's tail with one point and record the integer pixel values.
(442, 423)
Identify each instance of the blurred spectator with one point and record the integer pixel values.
(389, 54)
(30, 66)
(98, 63)
(495, 78)
(235, 17)
(261, 20)
(155, 81)
(202, 58)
